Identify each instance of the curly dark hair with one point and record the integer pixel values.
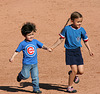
(27, 28)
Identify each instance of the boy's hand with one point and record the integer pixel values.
(12, 58)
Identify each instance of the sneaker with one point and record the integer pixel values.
(37, 92)
(71, 90)
(76, 79)
(18, 79)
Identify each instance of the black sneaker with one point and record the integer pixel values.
(18, 79)
(37, 92)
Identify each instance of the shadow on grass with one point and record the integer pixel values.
(46, 86)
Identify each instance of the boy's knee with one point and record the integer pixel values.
(26, 77)
(35, 78)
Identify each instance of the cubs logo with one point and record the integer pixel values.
(30, 50)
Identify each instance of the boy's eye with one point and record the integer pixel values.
(30, 34)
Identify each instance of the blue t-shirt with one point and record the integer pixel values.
(73, 37)
(29, 51)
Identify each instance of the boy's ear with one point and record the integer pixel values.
(24, 35)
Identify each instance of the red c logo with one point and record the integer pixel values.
(30, 50)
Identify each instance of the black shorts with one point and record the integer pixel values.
(74, 57)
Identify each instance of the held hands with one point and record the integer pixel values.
(49, 49)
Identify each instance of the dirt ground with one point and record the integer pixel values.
(49, 17)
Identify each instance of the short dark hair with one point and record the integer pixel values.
(27, 28)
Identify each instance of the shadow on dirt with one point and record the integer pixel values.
(12, 89)
(46, 86)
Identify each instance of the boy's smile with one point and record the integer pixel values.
(30, 36)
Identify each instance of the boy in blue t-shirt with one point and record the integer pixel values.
(29, 47)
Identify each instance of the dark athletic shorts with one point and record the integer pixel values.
(74, 57)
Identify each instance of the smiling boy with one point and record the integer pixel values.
(29, 47)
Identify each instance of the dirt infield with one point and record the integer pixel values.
(49, 17)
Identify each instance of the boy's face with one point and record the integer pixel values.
(30, 36)
(77, 22)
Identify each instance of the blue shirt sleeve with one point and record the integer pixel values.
(19, 48)
(84, 35)
(63, 33)
(39, 44)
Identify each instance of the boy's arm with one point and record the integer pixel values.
(88, 47)
(11, 59)
(58, 42)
